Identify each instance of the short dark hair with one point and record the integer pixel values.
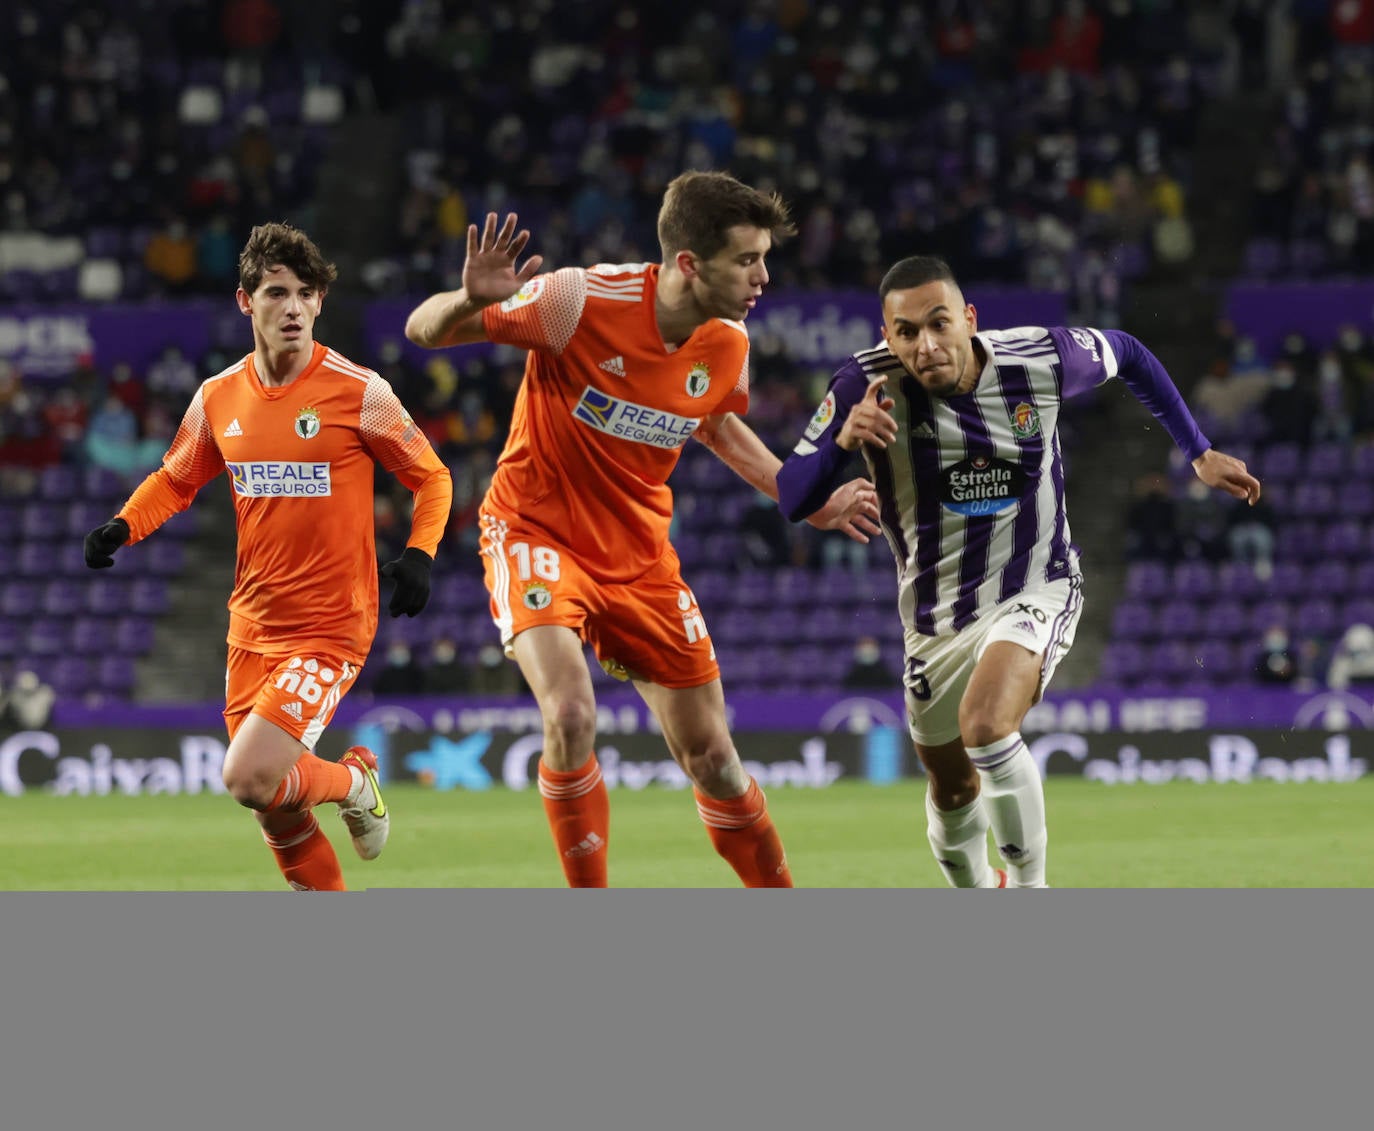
(699, 209)
(915, 271)
(281, 245)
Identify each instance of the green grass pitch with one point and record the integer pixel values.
(853, 835)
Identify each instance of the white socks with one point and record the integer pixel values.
(959, 839)
(1014, 796)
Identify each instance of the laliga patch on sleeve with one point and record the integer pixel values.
(824, 415)
(525, 295)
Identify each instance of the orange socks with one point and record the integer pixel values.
(305, 857)
(311, 781)
(742, 831)
(579, 813)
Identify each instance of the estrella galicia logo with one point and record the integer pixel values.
(982, 485)
(446, 764)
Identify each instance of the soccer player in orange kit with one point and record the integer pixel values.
(297, 427)
(626, 363)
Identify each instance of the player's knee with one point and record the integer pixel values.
(981, 728)
(570, 725)
(954, 791)
(252, 791)
(716, 767)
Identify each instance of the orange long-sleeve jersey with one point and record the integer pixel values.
(300, 462)
(605, 409)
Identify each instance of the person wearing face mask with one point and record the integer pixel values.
(1275, 661)
(866, 669)
(1288, 408)
(1335, 395)
(959, 431)
(445, 674)
(402, 675)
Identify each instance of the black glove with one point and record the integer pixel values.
(104, 541)
(410, 572)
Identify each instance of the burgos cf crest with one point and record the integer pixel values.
(537, 596)
(698, 379)
(1025, 421)
(307, 423)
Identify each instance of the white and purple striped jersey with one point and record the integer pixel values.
(972, 492)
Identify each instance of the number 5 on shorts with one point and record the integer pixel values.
(915, 679)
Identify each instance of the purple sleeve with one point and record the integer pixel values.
(813, 469)
(1152, 386)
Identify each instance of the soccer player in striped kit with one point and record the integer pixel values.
(959, 432)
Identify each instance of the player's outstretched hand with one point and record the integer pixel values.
(1228, 474)
(870, 421)
(103, 541)
(410, 572)
(489, 273)
(852, 509)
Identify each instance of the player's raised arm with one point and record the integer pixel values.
(490, 275)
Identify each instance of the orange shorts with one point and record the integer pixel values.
(649, 628)
(298, 691)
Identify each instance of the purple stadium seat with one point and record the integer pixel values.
(35, 559)
(1362, 462)
(1294, 539)
(9, 557)
(1179, 618)
(1358, 610)
(62, 597)
(47, 636)
(79, 516)
(754, 589)
(1123, 661)
(1134, 620)
(1329, 578)
(1344, 539)
(690, 547)
(93, 635)
(148, 596)
(115, 675)
(1267, 613)
(107, 593)
(100, 483)
(1195, 580)
(133, 636)
(59, 483)
(164, 557)
(1173, 660)
(721, 549)
(1217, 661)
(1279, 462)
(1315, 500)
(1148, 580)
(42, 522)
(11, 636)
(1316, 616)
(1225, 619)
(1307, 259)
(793, 586)
(19, 598)
(1326, 461)
(830, 625)
(1289, 580)
(1356, 498)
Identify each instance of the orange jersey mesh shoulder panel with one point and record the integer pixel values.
(192, 460)
(400, 447)
(543, 315)
(601, 419)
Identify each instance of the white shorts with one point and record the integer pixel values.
(1042, 619)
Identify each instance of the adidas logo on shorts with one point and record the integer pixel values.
(293, 709)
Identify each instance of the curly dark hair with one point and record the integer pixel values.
(281, 245)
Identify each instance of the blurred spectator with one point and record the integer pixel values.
(66, 416)
(1250, 534)
(1276, 661)
(1288, 408)
(112, 441)
(866, 667)
(29, 704)
(401, 675)
(1223, 398)
(1152, 521)
(173, 377)
(170, 256)
(1201, 524)
(765, 535)
(445, 674)
(217, 254)
(493, 674)
(1352, 662)
(1336, 398)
